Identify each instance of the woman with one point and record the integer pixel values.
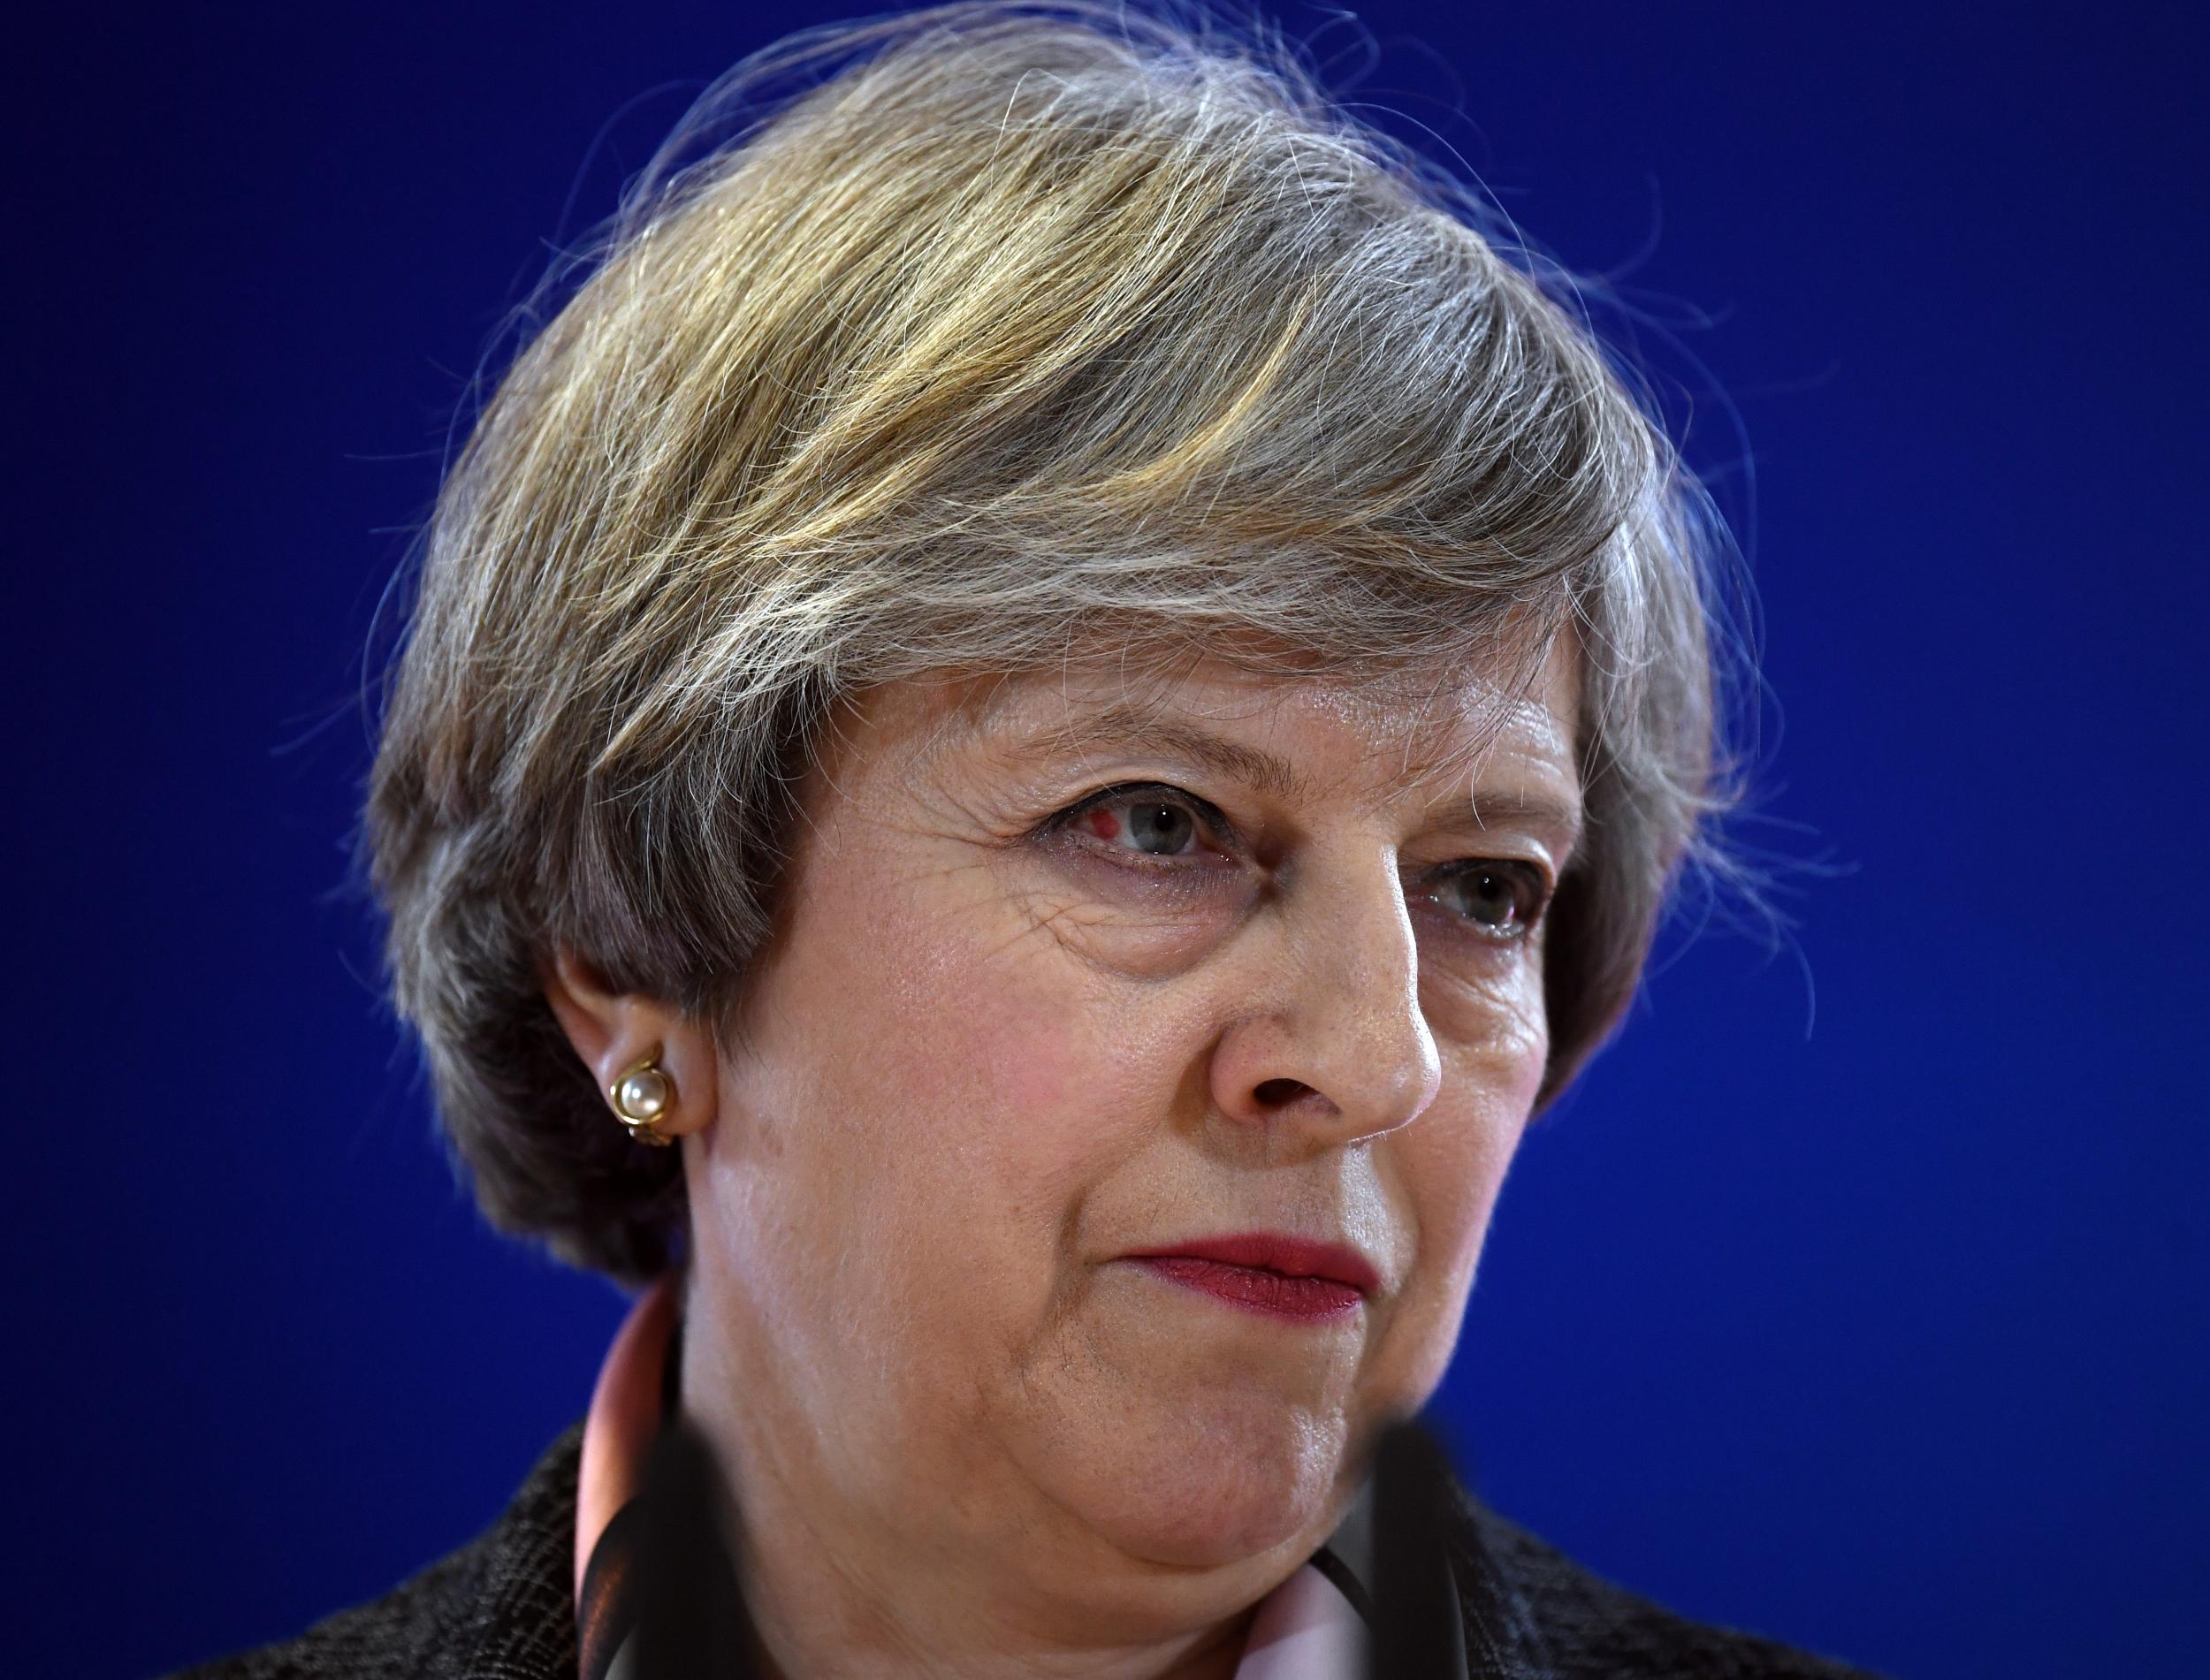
(1037, 723)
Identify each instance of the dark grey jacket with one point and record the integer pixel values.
(502, 1608)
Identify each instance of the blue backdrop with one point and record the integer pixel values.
(1857, 1297)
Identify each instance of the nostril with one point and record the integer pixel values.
(1279, 1093)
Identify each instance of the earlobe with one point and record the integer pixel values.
(654, 1067)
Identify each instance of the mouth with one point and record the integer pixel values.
(1270, 1272)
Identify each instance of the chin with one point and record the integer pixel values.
(1205, 1480)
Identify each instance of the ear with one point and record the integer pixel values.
(610, 1030)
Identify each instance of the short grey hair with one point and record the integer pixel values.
(1014, 327)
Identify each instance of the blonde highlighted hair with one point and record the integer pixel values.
(1016, 326)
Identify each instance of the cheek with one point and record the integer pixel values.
(1451, 1167)
(1456, 1177)
(961, 1063)
(1499, 1074)
(1455, 1174)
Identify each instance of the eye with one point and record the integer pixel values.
(1150, 826)
(1144, 820)
(1502, 900)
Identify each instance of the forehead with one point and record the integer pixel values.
(1519, 703)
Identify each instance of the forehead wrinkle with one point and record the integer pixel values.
(1122, 721)
(1489, 710)
(1128, 720)
(1460, 764)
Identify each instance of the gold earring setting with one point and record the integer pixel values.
(642, 1094)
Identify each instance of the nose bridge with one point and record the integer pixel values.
(1345, 1015)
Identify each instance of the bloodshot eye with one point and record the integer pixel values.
(1145, 823)
(1156, 826)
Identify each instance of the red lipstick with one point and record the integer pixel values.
(1270, 1272)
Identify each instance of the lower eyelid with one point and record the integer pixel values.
(1180, 874)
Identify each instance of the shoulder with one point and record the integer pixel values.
(499, 1607)
(1570, 1622)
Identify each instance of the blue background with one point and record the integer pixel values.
(1857, 1296)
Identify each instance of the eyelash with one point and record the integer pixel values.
(1528, 914)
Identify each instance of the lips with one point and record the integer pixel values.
(1278, 1256)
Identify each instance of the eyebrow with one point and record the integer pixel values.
(1121, 723)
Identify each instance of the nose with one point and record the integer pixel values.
(1334, 1042)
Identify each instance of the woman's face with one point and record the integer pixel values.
(1050, 991)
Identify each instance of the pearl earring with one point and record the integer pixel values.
(642, 1094)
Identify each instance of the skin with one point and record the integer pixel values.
(989, 1057)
